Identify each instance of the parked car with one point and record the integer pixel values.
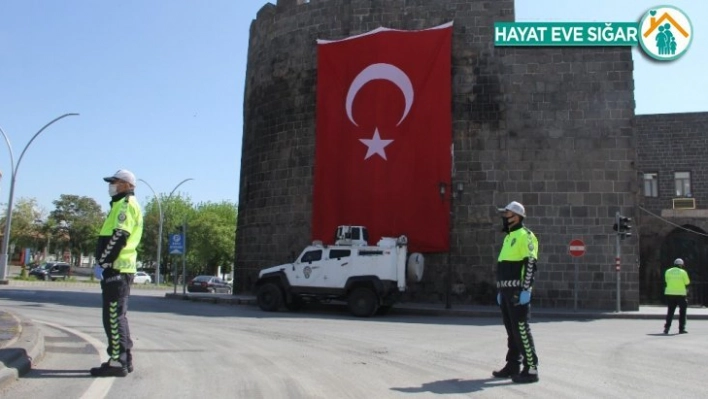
(142, 278)
(51, 271)
(208, 284)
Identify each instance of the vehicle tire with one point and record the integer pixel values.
(295, 304)
(211, 290)
(269, 297)
(362, 302)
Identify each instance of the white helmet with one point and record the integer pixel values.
(678, 262)
(515, 207)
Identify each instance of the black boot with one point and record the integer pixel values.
(527, 376)
(509, 370)
(129, 364)
(110, 368)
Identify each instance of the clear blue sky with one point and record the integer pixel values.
(159, 86)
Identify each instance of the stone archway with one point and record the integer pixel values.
(684, 243)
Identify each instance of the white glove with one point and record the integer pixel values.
(98, 272)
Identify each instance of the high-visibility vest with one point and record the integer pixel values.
(518, 245)
(125, 215)
(676, 281)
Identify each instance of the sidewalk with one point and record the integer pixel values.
(438, 309)
(21, 346)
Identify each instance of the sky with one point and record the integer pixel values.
(159, 88)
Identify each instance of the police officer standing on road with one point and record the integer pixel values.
(116, 257)
(676, 282)
(516, 269)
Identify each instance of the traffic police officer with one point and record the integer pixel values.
(116, 256)
(676, 282)
(516, 269)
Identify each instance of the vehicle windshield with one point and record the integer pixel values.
(202, 278)
(45, 266)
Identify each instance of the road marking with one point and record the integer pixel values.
(100, 386)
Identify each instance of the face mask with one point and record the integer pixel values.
(112, 189)
(505, 224)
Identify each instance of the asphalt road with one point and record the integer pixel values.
(185, 349)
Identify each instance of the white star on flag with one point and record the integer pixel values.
(376, 145)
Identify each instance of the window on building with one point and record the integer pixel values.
(651, 184)
(682, 182)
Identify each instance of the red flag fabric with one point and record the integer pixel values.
(383, 140)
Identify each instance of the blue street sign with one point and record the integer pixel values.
(176, 244)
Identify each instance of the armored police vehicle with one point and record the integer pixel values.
(369, 278)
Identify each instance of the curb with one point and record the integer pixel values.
(425, 309)
(75, 284)
(19, 354)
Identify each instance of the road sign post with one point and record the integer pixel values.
(576, 249)
(176, 248)
(176, 244)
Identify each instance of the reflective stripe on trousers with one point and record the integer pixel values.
(115, 291)
(520, 346)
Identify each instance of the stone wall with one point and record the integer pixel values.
(668, 143)
(548, 127)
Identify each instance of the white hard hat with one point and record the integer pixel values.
(678, 261)
(122, 174)
(515, 207)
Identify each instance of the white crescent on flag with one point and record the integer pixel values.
(381, 71)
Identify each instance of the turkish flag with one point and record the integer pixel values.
(384, 132)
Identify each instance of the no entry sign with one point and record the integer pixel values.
(576, 248)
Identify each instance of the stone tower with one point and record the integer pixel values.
(549, 127)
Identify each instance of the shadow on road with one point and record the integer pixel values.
(455, 386)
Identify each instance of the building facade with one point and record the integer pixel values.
(549, 127)
(673, 211)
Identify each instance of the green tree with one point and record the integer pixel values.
(27, 223)
(211, 234)
(79, 219)
(175, 209)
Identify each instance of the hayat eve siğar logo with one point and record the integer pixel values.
(665, 33)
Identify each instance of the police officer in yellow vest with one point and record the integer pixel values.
(516, 270)
(116, 256)
(676, 282)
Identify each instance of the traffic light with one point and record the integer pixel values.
(622, 226)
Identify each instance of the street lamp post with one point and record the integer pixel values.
(13, 178)
(185, 247)
(159, 232)
(162, 219)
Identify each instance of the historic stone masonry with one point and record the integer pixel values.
(550, 127)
